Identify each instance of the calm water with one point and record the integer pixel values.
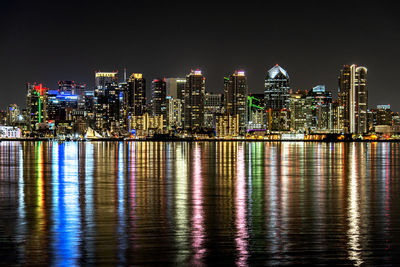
(231, 203)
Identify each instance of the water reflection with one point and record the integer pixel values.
(121, 203)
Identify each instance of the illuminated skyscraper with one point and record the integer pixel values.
(353, 97)
(36, 104)
(236, 90)
(277, 89)
(194, 101)
(104, 78)
(159, 94)
(136, 94)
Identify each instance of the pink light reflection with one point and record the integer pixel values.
(198, 231)
(240, 203)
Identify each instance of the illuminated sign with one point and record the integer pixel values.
(105, 74)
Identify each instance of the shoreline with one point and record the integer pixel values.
(192, 140)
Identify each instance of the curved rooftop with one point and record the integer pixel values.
(274, 71)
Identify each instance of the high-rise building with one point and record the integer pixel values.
(104, 78)
(353, 97)
(212, 107)
(194, 101)
(298, 111)
(236, 91)
(36, 105)
(136, 94)
(176, 87)
(159, 97)
(319, 105)
(174, 113)
(277, 89)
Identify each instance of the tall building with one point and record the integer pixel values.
(194, 101)
(174, 113)
(236, 91)
(277, 89)
(212, 107)
(176, 87)
(36, 105)
(353, 97)
(298, 111)
(136, 94)
(159, 97)
(104, 78)
(319, 113)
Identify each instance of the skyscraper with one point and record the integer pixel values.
(136, 94)
(353, 97)
(36, 104)
(194, 101)
(236, 90)
(159, 94)
(277, 89)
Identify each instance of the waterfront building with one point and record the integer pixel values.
(194, 101)
(227, 126)
(176, 87)
(236, 91)
(146, 125)
(353, 97)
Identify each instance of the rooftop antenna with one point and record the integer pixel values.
(124, 75)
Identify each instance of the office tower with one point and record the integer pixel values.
(136, 94)
(194, 101)
(277, 89)
(159, 97)
(298, 111)
(36, 105)
(319, 110)
(236, 90)
(102, 79)
(353, 97)
(212, 107)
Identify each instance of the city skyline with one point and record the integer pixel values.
(42, 43)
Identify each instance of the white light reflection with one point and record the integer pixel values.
(353, 232)
(181, 202)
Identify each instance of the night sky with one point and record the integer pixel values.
(69, 40)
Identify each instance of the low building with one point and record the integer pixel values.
(146, 125)
(227, 126)
(10, 132)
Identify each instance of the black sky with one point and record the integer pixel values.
(68, 40)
